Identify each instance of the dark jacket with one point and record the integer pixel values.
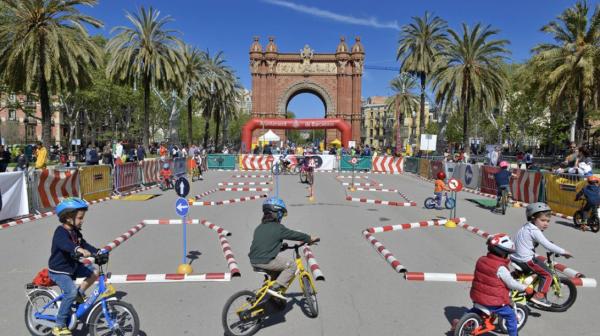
(488, 289)
(502, 177)
(64, 244)
(267, 240)
(591, 193)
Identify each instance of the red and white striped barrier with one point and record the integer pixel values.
(313, 264)
(404, 196)
(25, 220)
(204, 222)
(376, 189)
(385, 253)
(357, 184)
(206, 193)
(564, 269)
(117, 241)
(244, 189)
(356, 177)
(151, 171)
(220, 184)
(230, 201)
(387, 164)
(256, 162)
(251, 176)
(408, 226)
(229, 257)
(474, 230)
(375, 201)
(152, 278)
(464, 277)
(53, 186)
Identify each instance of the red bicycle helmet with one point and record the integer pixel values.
(593, 179)
(441, 175)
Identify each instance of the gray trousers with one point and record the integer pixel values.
(283, 264)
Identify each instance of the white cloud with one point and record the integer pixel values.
(370, 22)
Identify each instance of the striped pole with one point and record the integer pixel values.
(118, 241)
(313, 264)
(230, 201)
(408, 226)
(375, 201)
(385, 253)
(170, 277)
(464, 277)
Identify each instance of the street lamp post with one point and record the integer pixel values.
(413, 127)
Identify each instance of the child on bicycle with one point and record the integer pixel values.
(439, 187)
(526, 239)
(63, 267)
(166, 175)
(502, 181)
(591, 193)
(267, 242)
(198, 160)
(492, 281)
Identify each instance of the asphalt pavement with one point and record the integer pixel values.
(362, 294)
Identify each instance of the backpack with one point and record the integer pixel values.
(42, 279)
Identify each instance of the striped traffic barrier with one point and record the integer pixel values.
(464, 277)
(356, 177)
(173, 277)
(474, 230)
(204, 222)
(404, 196)
(385, 253)
(220, 184)
(377, 189)
(206, 193)
(357, 184)
(229, 257)
(230, 201)
(313, 264)
(414, 225)
(117, 241)
(251, 176)
(244, 189)
(376, 201)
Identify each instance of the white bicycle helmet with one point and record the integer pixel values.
(534, 208)
(501, 245)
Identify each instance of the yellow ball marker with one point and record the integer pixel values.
(450, 224)
(185, 269)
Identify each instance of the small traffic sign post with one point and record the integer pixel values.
(182, 187)
(182, 208)
(455, 186)
(353, 162)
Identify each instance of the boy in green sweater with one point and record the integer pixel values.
(267, 241)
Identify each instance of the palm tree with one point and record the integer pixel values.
(146, 52)
(191, 73)
(227, 95)
(44, 45)
(403, 101)
(419, 45)
(569, 67)
(470, 71)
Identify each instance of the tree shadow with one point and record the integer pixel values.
(193, 255)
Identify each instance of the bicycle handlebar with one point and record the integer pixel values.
(285, 246)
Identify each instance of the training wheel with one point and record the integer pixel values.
(450, 224)
(184, 269)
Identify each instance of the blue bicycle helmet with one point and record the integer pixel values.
(166, 166)
(71, 204)
(276, 205)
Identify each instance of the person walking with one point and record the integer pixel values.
(41, 156)
(22, 161)
(4, 159)
(141, 152)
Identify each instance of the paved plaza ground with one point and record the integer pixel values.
(362, 294)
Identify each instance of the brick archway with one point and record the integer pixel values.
(335, 78)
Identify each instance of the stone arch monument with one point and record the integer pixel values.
(335, 78)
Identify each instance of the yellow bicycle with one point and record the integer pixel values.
(245, 310)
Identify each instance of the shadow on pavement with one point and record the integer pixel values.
(453, 313)
(276, 315)
(193, 255)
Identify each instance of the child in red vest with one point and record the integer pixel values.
(492, 281)
(166, 175)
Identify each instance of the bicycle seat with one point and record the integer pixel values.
(481, 308)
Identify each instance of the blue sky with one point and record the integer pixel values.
(229, 25)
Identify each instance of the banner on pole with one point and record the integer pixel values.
(13, 195)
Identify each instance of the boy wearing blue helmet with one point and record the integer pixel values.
(63, 266)
(267, 241)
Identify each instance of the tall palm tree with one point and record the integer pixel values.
(420, 43)
(403, 101)
(227, 96)
(470, 71)
(191, 73)
(210, 87)
(146, 51)
(44, 45)
(569, 67)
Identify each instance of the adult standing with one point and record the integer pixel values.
(4, 159)
(141, 152)
(520, 159)
(22, 161)
(571, 159)
(107, 156)
(528, 159)
(494, 156)
(119, 151)
(41, 156)
(162, 151)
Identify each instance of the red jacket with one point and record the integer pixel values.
(487, 289)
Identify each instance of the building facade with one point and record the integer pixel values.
(244, 102)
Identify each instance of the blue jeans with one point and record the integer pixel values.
(438, 199)
(69, 289)
(499, 192)
(508, 314)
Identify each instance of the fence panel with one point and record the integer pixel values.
(561, 190)
(178, 166)
(363, 163)
(95, 182)
(221, 161)
(437, 167)
(411, 164)
(387, 164)
(255, 162)
(425, 168)
(151, 171)
(51, 186)
(527, 186)
(126, 177)
(488, 182)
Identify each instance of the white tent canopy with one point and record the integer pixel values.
(269, 136)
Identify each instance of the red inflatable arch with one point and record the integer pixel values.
(252, 124)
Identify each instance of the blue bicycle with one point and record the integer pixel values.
(104, 314)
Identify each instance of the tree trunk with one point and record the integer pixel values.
(146, 123)
(579, 123)
(217, 129)
(190, 140)
(225, 130)
(422, 111)
(464, 96)
(207, 123)
(44, 98)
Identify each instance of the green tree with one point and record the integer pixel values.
(470, 71)
(403, 102)
(144, 52)
(569, 67)
(419, 45)
(44, 45)
(191, 73)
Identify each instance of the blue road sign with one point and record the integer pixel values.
(182, 207)
(182, 187)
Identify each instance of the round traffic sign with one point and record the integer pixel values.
(454, 184)
(354, 160)
(182, 187)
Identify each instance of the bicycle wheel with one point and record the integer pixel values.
(430, 203)
(237, 317)
(37, 300)
(303, 177)
(450, 203)
(310, 297)
(594, 223)
(296, 170)
(563, 298)
(467, 324)
(122, 313)
(522, 312)
(577, 218)
(276, 169)
(310, 178)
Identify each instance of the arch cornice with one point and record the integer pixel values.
(304, 86)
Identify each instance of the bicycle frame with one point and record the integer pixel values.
(520, 297)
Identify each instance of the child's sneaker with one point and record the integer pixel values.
(541, 300)
(56, 331)
(80, 298)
